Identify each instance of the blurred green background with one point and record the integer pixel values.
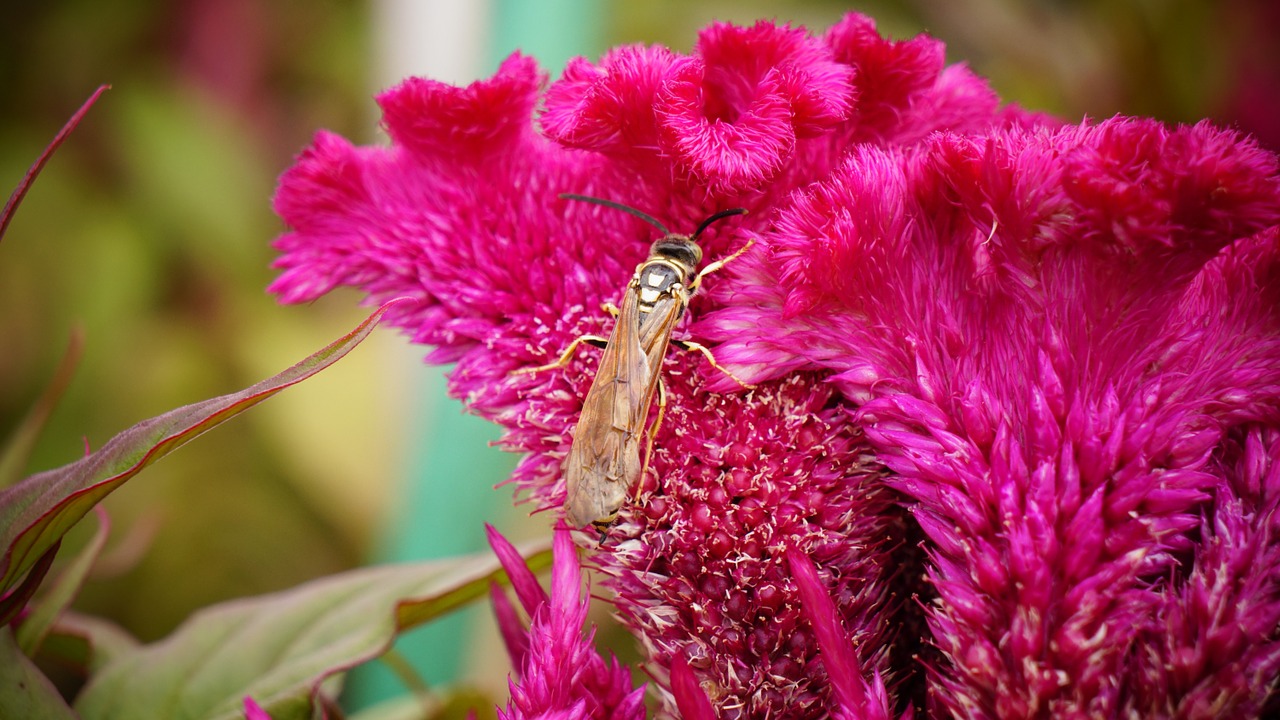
(151, 227)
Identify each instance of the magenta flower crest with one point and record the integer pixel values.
(726, 119)
(1034, 364)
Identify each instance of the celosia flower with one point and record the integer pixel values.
(462, 212)
(1066, 345)
(1061, 341)
(561, 677)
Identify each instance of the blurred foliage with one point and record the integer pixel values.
(151, 228)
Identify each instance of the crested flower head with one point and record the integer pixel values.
(1065, 344)
(1033, 364)
(462, 212)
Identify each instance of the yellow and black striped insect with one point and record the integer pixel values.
(604, 464)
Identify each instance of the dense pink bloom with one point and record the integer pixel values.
(1034, 364)
(561, 677)
(1066, 345)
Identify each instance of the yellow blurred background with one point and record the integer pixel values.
(151, 227)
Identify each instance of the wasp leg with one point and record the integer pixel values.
(610, 308)
(653, 434)
(594, 340)
(715, 266)
(706, 352)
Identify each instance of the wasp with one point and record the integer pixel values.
(604, 463)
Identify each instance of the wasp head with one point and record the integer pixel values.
(680, 249)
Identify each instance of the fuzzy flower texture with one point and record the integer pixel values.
(1013, 445)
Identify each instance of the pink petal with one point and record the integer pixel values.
(607, 107)
(691, 699)
(856, 698)
(566, 574)
(514, 635)
(530, 593)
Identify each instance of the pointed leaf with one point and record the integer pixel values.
(15, 198)
(12, 605)
(37, 512)
(46, 609)
(253, 711)
(24, 691)
(279, 648)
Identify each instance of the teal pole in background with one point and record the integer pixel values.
(448, 493)
(553, 31)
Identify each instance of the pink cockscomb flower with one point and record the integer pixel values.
(1065, 344)
(560, 675)
(1030, 364)
(462, 212)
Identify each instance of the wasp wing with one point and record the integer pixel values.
(655, 336)
(604, 460)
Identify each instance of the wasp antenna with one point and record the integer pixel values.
(618, 206)
(718, 216)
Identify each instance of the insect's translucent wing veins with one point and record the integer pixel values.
(655, 336)
(604, 459)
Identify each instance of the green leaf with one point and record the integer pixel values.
(38, 511)
(280, 648)
(46, 609)
(24, 691)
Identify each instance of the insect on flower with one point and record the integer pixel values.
(604, 460)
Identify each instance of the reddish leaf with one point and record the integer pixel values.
(62, 591)
(14, 603)
(37, 512)
(19, 192)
